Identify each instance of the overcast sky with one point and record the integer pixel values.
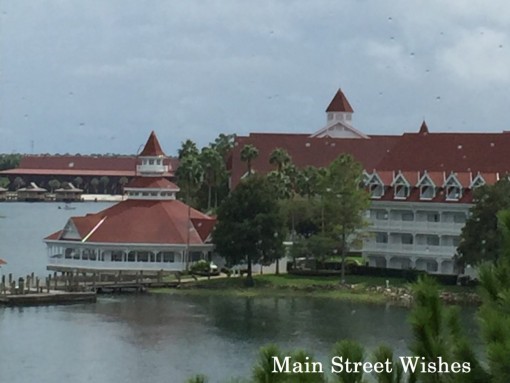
(96, 76)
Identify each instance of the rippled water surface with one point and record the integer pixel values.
(163, 338)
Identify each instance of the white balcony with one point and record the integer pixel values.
(80, 264)
(414, 226)
(403, 249)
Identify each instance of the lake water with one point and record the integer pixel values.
(163, 338)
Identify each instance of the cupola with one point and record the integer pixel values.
(151, 160)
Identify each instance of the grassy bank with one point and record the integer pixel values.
(357, 289)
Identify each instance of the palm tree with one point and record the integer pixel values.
(78, 181)
(94, 182)
(213, 165)
(188, 148)
(54, 184)
(190, 174)
(279, 157)
(104, 180)
(224, 144)
(123, 182)
(18, 182)
(248, 154)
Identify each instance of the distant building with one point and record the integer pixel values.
(68, 193)
(32, 193)
(93, 174)
(149, 232)
(421, 184)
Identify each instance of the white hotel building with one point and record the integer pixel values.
(420, 183)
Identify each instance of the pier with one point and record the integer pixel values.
(30, 291)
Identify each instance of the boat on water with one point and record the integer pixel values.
(67, 207)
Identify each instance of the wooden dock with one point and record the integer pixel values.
(47, 298)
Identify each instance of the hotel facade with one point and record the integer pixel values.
(421, 184)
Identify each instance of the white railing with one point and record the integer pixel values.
(409, 249)
(108, 265)
(450, 227)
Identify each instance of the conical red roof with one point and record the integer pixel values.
(152, 147)
(339, 103)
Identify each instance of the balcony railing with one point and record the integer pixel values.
(109, 265)
(397, 248)
(450, 227)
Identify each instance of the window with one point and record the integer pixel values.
(376, 190)
(427, 192)
(453, 193)
(381, 215)
(158, 162)
(407, 239)
(151, 162)
(433, 240)
(131, 256)
(433, 217)
(407, 216)
(459, 218)
(381, 238)
(117, 256)
(401, 191)
(143, 256)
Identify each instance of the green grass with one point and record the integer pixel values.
(296, 285)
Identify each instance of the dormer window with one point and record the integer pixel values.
(427, 187)
(426, 192)
(477, 182)
(401, 191)
(376, 190)
(453, 188)
(401, 187)
(453, 193)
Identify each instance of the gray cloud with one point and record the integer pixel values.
(97, 76)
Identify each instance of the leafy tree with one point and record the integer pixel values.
(4, 182)
(249, 224)
(9, 161)
(480, 238)
(248, 154)
(54, 184)
(344, 202)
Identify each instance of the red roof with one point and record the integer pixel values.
(152, 183)
(144, 221)
(305, 150)
(82, 166)
(339, 103)
(458, 152)
(152, 147)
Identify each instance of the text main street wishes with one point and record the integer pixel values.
(410, 364)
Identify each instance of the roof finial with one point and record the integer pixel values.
(424, 129)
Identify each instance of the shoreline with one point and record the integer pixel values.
(291, 286)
